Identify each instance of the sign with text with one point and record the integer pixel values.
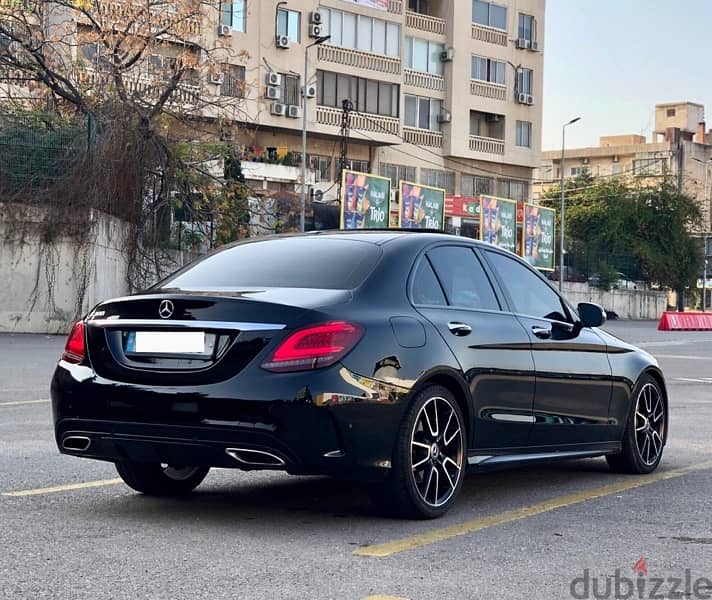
(365, 201)
(499, 222)
(467, 207)
(538, 237)
(421, 206)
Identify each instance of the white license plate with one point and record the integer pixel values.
(169, 342)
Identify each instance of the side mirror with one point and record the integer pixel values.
(592, 315)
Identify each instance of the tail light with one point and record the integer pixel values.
(314, 347)
(74, 348)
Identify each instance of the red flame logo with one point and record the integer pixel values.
(641, 567)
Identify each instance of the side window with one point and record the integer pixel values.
(426, 289)
(529, 293)
(464, 279)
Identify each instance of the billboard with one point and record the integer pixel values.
(379, 4)
(421, 206)
(365, 201)
(538, 237)
(498, 223)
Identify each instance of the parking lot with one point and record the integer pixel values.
(70, 529)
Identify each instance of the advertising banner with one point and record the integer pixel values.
(379, 4)
(538, 237)
(462, 206)
(499, 222)
(421, 206)
(365, 201)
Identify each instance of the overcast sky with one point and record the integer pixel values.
(611, 61)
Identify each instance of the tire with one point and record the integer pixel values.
(428, 465)
(646, 430)
(154, 479)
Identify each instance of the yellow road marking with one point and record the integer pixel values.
(445, 533)
(64, 488)
(19, 402)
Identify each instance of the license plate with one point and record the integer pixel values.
(166, 342)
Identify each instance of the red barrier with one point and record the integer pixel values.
(685, 321)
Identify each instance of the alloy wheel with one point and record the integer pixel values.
(649, 424)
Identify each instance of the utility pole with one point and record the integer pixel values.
(347, 106)
(563, 202)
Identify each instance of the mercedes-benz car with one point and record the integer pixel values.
(401, 359)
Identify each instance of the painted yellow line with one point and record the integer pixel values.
(19, 402)
(64, 488)
(439, 535)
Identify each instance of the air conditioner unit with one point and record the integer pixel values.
(615, 158)
(294, 111)
(274, 78)
(584, 160)
(217, 78)
(522, 98)
(224, 30)
(309, 91)
(529, 99)
(282, 42)
(314, 30)
(492, 118)
(315, 17)
(447, 55)
(445, 117)
(535, 47)
(272, 92)
(523, 44)
(278, 109)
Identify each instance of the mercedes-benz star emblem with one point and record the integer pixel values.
(165, 309)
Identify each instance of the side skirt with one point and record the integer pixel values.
(499, 458)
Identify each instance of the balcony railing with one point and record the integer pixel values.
(423, 137)
(395, 7)
(325, 115)
(491, 35)
(147, 87)
(423, 22)
(424, 80)
(359, 59)
(185, 24)
(487, 145)
(485, 89)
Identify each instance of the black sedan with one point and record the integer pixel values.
(402, 359)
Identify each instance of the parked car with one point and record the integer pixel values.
(402, 359)
(570, 274)
(620, 282)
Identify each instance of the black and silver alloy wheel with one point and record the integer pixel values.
(436, 451)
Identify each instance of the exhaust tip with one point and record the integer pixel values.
(255, 458)
(76, 443)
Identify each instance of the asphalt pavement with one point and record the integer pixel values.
(69, 529)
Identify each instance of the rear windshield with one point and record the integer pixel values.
(326, 263)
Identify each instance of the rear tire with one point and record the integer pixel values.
(429, 458)
(645, 433)
(155, 479)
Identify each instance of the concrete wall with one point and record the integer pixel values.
(629, 304)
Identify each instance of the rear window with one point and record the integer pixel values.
(326, 263)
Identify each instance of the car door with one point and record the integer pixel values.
(573, 373)
(451, 289)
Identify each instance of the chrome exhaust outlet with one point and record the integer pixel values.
(76, 443)
(255, 458)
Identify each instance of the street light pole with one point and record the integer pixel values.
(302, 214)
(563, 202)
(708, 204)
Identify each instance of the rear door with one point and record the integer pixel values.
(451, 289)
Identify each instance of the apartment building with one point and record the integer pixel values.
(680, 149)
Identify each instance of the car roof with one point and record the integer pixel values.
(384, 236)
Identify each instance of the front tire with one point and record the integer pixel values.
(646, 430)
(429, 458)
(155, 479)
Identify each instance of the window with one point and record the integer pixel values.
(488, 69)
(419, 6)
(527, 27)
(361, 32)
(397, 173)
(425, 287)
(233, 13)
(289, 23)
(670, 112)
(463, 278)
(422, 112)
(616, 169)
(489, 14)
(648, 166)
(513, 189)
(475, 123)
(423, 55)
(525, 81)
(475, 185)
(524, 134)
(290, 90)
(530, 294)
(440, 179)
(322, 166)
(576, 171)
(355, 164)
(367, 95)
(233, 84)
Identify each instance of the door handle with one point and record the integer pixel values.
(542, 332)
(459, 329)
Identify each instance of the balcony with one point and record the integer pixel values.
(165, 24)
(423, 137)
(359, 59)
(491, 35)
(426, 81)
(423, 22)
(326, 115)
(495, 91)
(486, 145)
(395, 7)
